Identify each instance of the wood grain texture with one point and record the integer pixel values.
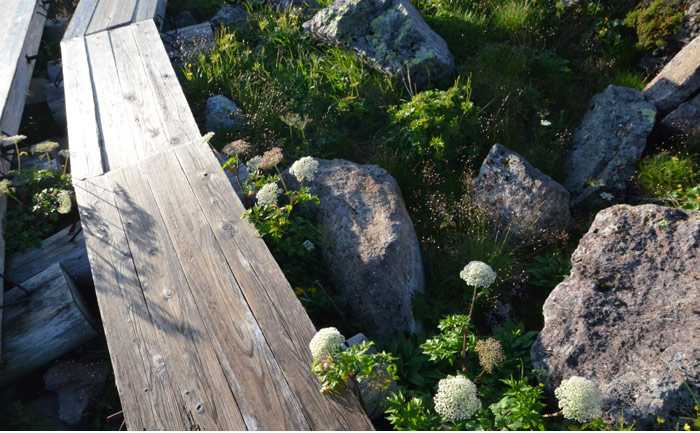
(110, 14)
(50, 322)
(83, 132)
(77, 28)
(263, 395)
(21, 26)
(142, 378)
(282, 318)
(118, 141)
(176, 116)
(200, 380)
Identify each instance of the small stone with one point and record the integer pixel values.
(684, 120)
(222, 114)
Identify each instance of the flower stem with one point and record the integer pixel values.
(471, 307)
(464, 349)
(281, 179)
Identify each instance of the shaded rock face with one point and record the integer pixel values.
(684, 120)
(222, 114)
(524, 199)
(371, 250)
(391, 34)
(633, 296)
(607, 145)
(75, 383)
(228, 16)
(678, 81)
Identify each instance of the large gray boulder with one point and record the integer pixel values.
(229, 15)
(371, 251)
(685, 120)
(632, 299)
(523, 199)
(222, 114)
(677, 81)
(391, 34)
(607, 145)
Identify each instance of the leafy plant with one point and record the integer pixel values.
(520, 408)
(454, 336)
(672, 178)
(654, 21)
(549, 269)
(412, 414)
(437, 123)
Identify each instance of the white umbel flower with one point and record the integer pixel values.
(324, 342)
(478, 274)
(456, 399)
(267, 196)
(304, 168)
(64, 202)
(253, 164)
(308, 245)
(579, 399)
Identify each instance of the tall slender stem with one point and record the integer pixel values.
(471, 307)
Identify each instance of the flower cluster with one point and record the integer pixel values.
(491, 354)
(267, 196)
(253, 164)
(6, 187)
(478, 274)
(456, 399)
(304, 169)
(579, 399)
(271, 158)
(64, 202)
(235, 148)
(308, 245)
(44, 147)
(14, 139)
(325, 342)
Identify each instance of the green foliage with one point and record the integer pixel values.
(413, 367)
(16, 416)
(34, 208)
(437, 123)
(549, 270)
(654, 21)
(447, 345)
(355, 365)
(412, 414)
(520, 408)
(635, 80)
(672, 178)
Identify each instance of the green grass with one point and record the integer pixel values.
(671, 178)
(654, 21)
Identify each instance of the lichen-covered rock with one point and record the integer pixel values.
(685, 120)
(632, 299)
(391, 34)
(523, 199)
(678, 80)
(607, 145)
(222, 114)
(371, 249)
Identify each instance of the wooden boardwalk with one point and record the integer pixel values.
(21, 27)
(203, 329)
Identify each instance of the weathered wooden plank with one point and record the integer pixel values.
(83, 133)
(281, 316)
(21, 26)
(118, 141)
(142, 378)
(81, 19)
(176, 116)
(253, 373)
(49, 322)
(199, 379)
(110, 14)
(144, 118)
(151, 9)
(56, 249)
